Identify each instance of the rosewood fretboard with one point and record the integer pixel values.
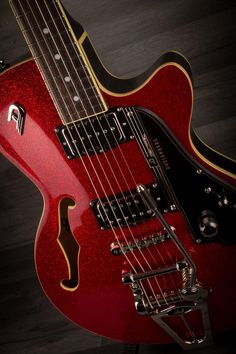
(56, 51)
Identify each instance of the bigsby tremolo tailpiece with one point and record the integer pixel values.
(192, 297)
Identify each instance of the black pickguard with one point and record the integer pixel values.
(209, 203)
(204, 198)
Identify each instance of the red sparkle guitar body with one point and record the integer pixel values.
(101, 302)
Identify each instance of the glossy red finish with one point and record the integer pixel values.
(101, 303)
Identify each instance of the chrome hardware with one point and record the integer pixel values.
(148, 145)
(192, 302)
(208, 190)
(118, 249)
(126, 208)
(208, 224)
(190, 297)
(81, 137)
(151, 204)
(131, 278)
(17, 113)
(3, 65)
(222, 200)
(178, 305)
(224, 203)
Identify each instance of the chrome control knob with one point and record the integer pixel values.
(208, 224)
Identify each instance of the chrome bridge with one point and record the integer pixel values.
(119, 248)
(189, 299)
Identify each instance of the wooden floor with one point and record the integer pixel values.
(129, 35)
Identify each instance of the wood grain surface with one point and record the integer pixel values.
(129, 35)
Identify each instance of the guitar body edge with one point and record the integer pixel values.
(115, 88)
(99, 301)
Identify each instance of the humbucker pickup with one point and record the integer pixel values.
(126, 209)
(95, 134)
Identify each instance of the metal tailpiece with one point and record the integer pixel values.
(189, 300)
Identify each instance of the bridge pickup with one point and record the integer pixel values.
(94, 135)
(126, 209)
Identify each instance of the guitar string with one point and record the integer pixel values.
(62, 115)
(111, 169)
(137, 128)
(110, 186)
(150, 253)
(128, 188)
(127, 258)
(159, 286)
(65, 105)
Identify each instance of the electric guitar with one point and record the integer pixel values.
(137, 236)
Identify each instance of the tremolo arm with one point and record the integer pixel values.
(192, 298)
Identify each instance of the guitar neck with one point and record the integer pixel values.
(56, 51)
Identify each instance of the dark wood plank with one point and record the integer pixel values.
(129, 36)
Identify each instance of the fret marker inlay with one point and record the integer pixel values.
(60, 59)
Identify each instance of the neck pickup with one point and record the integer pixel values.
(94, 135)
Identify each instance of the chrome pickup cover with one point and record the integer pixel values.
(126, 209)
(95, 134)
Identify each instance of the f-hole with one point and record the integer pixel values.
(69, 246)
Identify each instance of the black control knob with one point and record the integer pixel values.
(208, 224)
(3, 65)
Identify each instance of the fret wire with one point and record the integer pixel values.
(39, 53)
(53, 81)
(16, 7)
(100, 102)
(129, 261)
(121, 228)
(82, 71)
(74, 70)
(64, 109)
(60, 77)
(90, 110)
(50, 71)
(64, 72)
(69, 50)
